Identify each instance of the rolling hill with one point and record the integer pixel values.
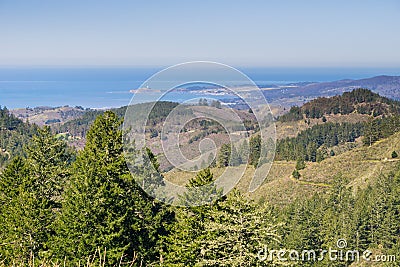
(388, 86)
(357, 162)
(360, 166)
(358, 101)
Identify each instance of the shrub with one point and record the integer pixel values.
(296, 174)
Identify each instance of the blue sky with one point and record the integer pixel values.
(279, 33)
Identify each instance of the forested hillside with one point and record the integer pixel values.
(313, 143)
(332, 181)
(69, 210)
(360, 101)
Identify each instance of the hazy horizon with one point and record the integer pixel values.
(100, 87)
(258, 34)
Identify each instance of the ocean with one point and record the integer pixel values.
(101, 87)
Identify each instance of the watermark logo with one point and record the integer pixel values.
(339, 253)
(206, 92)
(341, 243)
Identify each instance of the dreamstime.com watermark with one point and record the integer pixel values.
(338, 253)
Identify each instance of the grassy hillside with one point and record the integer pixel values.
(48, 115)
(293, 128)
(360, 165)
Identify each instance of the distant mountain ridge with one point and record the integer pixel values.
(388, 86)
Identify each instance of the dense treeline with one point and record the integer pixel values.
(313, 144)
(103, 206)
(30, 191)
(295, 114)
(59, 208)
(361, 101)
(78, 127)
(308, 144)
(367, 220)
(377, 129)
(231, 231)
(14, 135)
(52, 206)
(245, 152)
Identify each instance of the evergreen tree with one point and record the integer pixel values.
(30, 192)
(153, 159)
(16, 231)
(296, 174)
(321, 155)
(183, 248)
(224, 155)
(211, 160)
(371, 132)
(202, 190)
(361, 218)
(147, 172)
(312, 152)
(393, 239)
(103, 206)
(338, 217)
(244, 151)
(236, 159)
(228, 232)
(234, 232)
(383, 224)
(300, 164)
(48, 159)
(302, 225)
(294, 114)
(255, 150)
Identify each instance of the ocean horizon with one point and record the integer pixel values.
(106, 87)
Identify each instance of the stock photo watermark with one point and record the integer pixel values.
(228, 85)
(339, 253)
